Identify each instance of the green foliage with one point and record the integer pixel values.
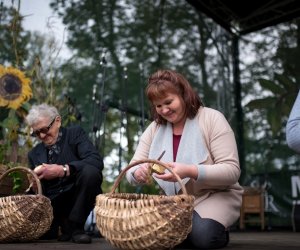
(271, 81)
(278, 105)
(269, 85)
(267, 102)
(13, 38)
(17, 178)
(17, 181)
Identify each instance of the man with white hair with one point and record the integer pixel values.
(70, 170)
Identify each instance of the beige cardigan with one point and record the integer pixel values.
(217, 191)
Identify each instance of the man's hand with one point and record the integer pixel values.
(49, 171)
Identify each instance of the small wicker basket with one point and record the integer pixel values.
(24, 217)
(142, 221)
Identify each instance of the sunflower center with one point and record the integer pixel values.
(10, 87)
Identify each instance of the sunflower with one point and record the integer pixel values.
(14, 87)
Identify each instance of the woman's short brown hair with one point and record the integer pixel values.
(163, 82)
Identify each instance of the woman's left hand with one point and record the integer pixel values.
(181, 169)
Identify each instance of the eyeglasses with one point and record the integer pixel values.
(45, 130)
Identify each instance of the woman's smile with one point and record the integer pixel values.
(171, 108)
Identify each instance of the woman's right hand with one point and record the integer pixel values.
(142, 174)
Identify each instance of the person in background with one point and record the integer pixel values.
(200, 147)
(70, 170)
(293, 126)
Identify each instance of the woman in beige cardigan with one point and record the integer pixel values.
(200, 146)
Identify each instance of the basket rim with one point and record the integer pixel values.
(121, 175)
(26, 170)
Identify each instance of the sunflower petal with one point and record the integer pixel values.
(15, 87)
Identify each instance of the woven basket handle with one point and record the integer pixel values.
(118, 180)
(27, 170)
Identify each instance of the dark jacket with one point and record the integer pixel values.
(76, 150)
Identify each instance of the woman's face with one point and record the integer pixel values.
(172, 108)
(47, 129)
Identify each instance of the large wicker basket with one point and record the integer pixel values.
(24, 217)
(142, 221)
